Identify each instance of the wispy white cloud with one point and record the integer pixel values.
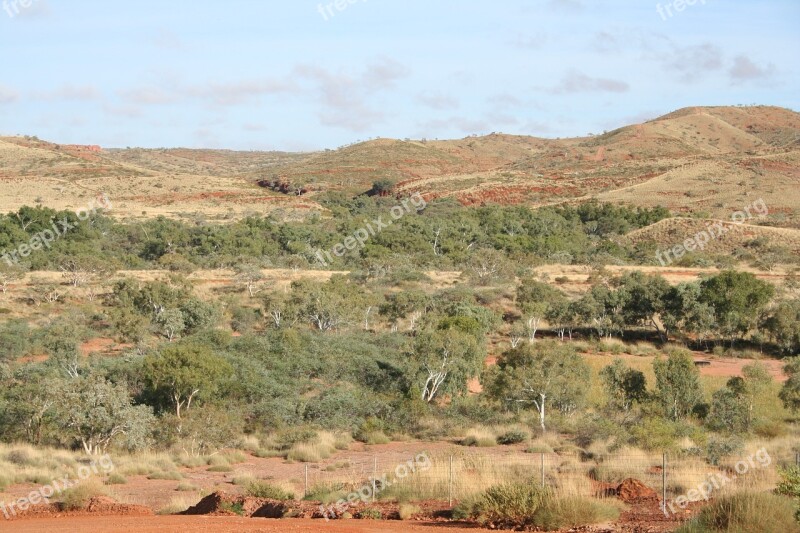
(344, 96)
(745, 69)
(70, 92)
(438, 101)
(578, 82)
(8, 95)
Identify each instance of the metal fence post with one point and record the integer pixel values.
(374, 477)
(450, 484)
(541, 458)
(305, 486)
(664, 482)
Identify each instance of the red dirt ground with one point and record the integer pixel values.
(640, 517)
(219, 524)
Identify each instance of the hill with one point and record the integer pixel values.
(699, 161)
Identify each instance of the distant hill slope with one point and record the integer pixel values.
(709, 161)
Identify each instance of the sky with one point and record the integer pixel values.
(308, 74)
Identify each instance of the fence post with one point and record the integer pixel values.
(450, 484)
(305, 487)
(541, 458)
(664, 482)
(374, 476)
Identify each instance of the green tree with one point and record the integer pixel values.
(729, 409)
(790, 391)
(444, 361)
(410, 304)
(783, 326)
(677, 384)
(534, 300)
(738, 299)
(96, 412)
(542, 375)
(643, 300)
(182, 373)
(624, 385)
(685, 311)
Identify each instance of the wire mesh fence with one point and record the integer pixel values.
(452, 477)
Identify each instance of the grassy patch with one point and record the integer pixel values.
(264, 489)
(408, 511)
(326, 492)
(116, 479)
(480, 437)
(173, 475)
(78, 497)
(745, 512)
(526, 505)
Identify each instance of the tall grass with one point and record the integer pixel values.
(525, 505)
(746, 512)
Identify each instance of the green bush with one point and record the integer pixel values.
(326, 492)
(723, 447)
(235, 508)
(19, 458)
(116, 479)
(370, 513)
(746, 512)
(293, 436)
(528, 505)
(263, 489)
(790, 482)
(514, 436)
(78, 497)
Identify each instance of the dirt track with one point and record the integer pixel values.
(216, 524)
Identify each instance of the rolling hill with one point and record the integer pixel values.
(698, 161)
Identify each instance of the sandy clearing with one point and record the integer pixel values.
(216, 524)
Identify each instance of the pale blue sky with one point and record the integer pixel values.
(248, 74)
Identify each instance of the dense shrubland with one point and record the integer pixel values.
(383, 351)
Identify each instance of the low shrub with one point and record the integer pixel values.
(78, 497)
(326, 492)
(234, 457)
(374, 437)
(233, 507)
(408, 511)
(479, 437)
(20, 458)
(510, 504)
(187, 487)
(264, 489)
(116, 479)
(789, 484)
(370, 513)
(514, 436)
(745, 512)
(528, 505)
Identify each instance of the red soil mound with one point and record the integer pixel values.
(221, 504)
(634, 491)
